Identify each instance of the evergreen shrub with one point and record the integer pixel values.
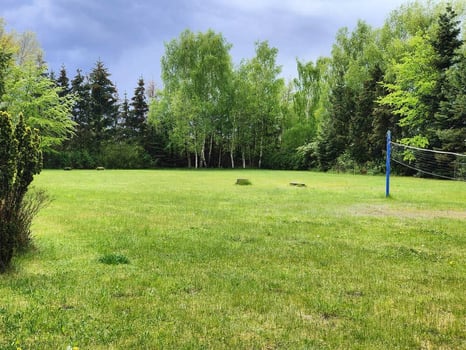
(20, 160)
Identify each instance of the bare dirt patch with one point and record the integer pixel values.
(387, 211)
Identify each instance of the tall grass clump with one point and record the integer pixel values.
(33, 201)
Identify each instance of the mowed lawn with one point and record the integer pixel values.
(179, 259)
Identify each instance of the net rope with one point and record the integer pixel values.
(445, 165)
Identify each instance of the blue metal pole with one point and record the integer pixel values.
(387, 164)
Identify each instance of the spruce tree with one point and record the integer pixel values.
(103, 117)
(446, 41)
(453, 110)
(125, 115)
(447, 129)
(63, 82)
(136, 123)
(446, 45)
(334, 135)
(82, 139)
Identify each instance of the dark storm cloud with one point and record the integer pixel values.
(104, 28)
(129, 36)
(79, 32)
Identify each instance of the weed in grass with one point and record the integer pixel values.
(403, 253)
(113, 259)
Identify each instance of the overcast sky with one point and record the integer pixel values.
(129, 35)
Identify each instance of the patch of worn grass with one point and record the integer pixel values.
(333, 265)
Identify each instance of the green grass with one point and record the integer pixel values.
(212, 265)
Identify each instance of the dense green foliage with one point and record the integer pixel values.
(196, 70)
(107, 133)
(214, 265)
(26, 89)
(20, 160)
(406, 76)
(31, 105)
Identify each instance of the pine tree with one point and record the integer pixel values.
(81, 112)
(446, 42)
(360, 126)
(136, 123)
(64, 82)
(334, 136)
(103, 118)
(125, 115)
(453, 110)
(446, 45)
(446, 126)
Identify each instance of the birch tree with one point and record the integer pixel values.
(196, 69)
(265, 86)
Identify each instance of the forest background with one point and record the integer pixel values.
(408, 76)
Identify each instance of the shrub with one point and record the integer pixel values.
(79, 159)
(123, 155)
(20, 160)
(32, 203)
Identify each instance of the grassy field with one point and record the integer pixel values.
(188, 260)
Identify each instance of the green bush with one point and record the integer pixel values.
(123, 156)
(75, 159)
(20, 160)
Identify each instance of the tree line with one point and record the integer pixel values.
(407, 76)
